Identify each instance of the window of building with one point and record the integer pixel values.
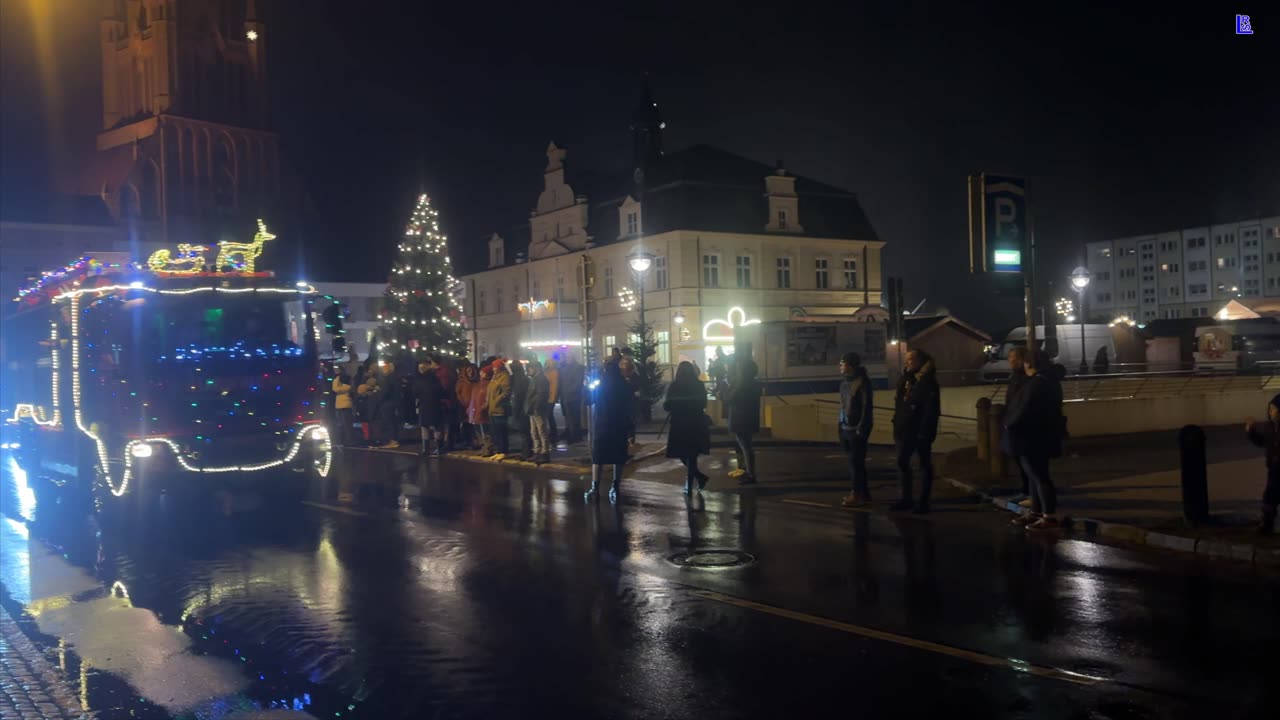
(664, 347)
(1146, 255)
(1271, 257)
(610, 342)
(559, 287)
(480, 300)
(744, 271)
(1128, 251)
(633, 223)
(515, 292)
(1271, 283)
(1104, 297)
(850, 274)
(608, 282)
(821, 279)
(1129, 295)
(1104, 252)
(1198, 289)
(535, 288)
(1149, 292)
(784, 273)
(1146, 246)
(497, 297)
(1226, 262)
(1104, 276)
(1169, 267)
(711, 271)
(1174, 291)
(782, 219)
(660, 272)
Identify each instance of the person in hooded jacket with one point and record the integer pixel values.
(917, 408)
(1266, 435)
(744, 416)
(468, 376)
(478, 410)
(499, 394)
(610, 416)
(1033, 427)
(857, 412)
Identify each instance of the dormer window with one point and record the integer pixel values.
(782, 219)
(633, 223)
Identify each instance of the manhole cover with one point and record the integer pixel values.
(713, 559)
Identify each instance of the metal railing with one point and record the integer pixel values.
(827, 412)
(1172, 383)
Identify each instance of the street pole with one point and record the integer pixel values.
(1084, 362)
(1029, 275)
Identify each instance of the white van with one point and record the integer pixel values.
(1064, 348)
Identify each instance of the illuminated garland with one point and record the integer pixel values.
(83, 267)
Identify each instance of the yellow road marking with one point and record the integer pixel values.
(807, 502)
(335, 508)
(970, 655)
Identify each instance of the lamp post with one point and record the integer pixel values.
(640, 262)
(1080, 278)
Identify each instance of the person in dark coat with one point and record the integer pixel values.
(857, 413)
(1017, 379)
(744, 416)
(571, 379)
(1033, 427)
(610, 419)
(917, 408)
(690, 434)
(429, 396)
(390, 397)
(520, 408)
(1267, 435)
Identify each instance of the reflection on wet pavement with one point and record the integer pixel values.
(465, 590)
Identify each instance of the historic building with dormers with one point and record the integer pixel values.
(730, 241)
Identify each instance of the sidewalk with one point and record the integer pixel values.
(31, 688)
(1129, 487)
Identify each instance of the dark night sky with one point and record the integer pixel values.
(1125, 121)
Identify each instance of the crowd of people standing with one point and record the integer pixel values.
(457, 404)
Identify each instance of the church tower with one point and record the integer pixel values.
(184, 145)
(646, 129)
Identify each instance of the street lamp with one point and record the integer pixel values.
(1080, 278)
(678, 318)
(640, 261)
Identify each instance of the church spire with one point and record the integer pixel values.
(646, 128)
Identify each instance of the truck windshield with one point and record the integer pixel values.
(180, 330)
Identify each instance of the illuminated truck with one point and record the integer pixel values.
(122, 379)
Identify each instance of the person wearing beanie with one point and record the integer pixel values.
(856, 415)
(499, 396)
(1266, 435)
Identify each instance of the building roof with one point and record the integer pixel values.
(702, 188)
(705, 188)
(914, 327)
(54, 209)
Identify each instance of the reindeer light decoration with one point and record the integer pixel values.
(241, 256)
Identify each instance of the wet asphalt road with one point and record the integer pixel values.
(499, 593)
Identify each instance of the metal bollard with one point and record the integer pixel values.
(995, 425)
(984, 432)
(1195, 474)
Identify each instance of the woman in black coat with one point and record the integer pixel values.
(429, 394)
(610, 421)
(690, 434)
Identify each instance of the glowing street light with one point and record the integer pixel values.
(1080, 278)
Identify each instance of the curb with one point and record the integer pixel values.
(1096, 529)
(548, 467)
(32, 682)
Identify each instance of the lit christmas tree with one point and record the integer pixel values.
(420, 314)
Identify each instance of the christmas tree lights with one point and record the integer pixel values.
(419, 313)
